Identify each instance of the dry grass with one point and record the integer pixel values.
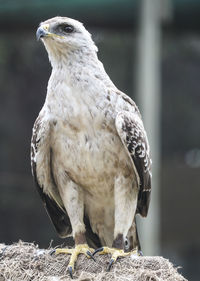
(25, 261)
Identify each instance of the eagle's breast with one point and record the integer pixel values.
(86, 147)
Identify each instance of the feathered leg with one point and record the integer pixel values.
(72, 197)
(125, 207)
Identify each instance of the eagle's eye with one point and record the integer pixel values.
(67, 28)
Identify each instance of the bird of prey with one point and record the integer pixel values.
(89, 150)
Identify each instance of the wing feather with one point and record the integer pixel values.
(42, 172)
(132, 133)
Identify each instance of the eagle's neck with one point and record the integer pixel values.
(77, 80)
(79, 69)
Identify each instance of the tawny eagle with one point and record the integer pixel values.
(89, 151)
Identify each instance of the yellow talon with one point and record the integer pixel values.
(115, 254)
(79, 249)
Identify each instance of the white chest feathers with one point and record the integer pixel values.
(88, 149)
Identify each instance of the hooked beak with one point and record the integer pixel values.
(42, 31)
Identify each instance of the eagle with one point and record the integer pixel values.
(90, 155)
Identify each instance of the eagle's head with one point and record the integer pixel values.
(61, 35)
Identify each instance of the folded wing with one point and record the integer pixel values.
(41, 162)
(132, 133)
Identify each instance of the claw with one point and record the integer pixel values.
(52, 252)
(140, 253)
(70, 270)
(90, 255)
(98, 250)
(110, 264)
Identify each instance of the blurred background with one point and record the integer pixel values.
(151, 50)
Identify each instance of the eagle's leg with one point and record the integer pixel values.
(72, 196)
(126, 193)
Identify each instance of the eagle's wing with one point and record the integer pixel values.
(41, 163)
(132, 133)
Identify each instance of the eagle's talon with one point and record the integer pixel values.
(115, 254)
(70, 270)
(52, 252)
(110, 264)
(97, 251)
(140, 253)
(75, 252)
(90, 255)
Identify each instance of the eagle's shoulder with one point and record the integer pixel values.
(128, 103)
(132, 134)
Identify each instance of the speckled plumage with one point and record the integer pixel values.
(89, 151)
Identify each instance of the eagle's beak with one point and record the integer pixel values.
(42, 31)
